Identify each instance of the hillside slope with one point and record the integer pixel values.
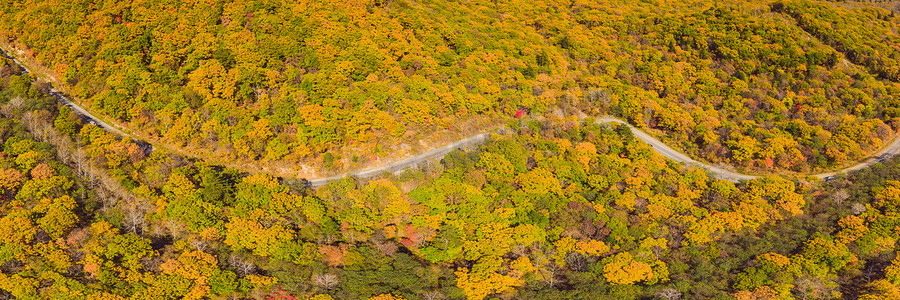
(319, 87)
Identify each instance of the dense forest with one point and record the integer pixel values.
(555, 209)
(244, 99)
(311, 88)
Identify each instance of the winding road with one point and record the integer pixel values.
(890, 150)
(673, 154)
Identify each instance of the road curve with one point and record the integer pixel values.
(672, 154)
(889, 151)
(885, 153)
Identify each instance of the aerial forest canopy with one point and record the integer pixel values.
(555, 210)
(555, 207)
(318, 86)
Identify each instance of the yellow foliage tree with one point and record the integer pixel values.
(584, 152)
(623, 269)
(592, 247)
(889, 197)
(776, 259)
(195, 266)
(483, 281)
(892, 272)
(852, 227)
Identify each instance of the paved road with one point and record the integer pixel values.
(398, 166)
(656, 144)
(885, 153)
(83, 113)
(672, 154)
(891, 150)
(86, 114)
